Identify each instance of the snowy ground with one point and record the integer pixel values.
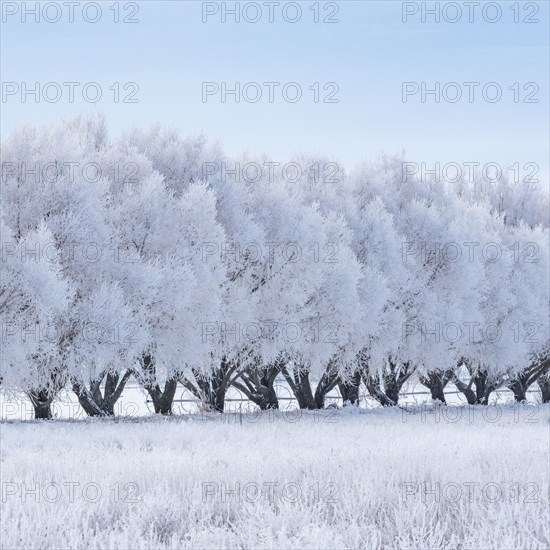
(456, 477)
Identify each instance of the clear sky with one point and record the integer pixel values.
(368, 52)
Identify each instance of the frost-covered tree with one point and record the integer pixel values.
(34, 297)
(308, 298)
(520, 229)
(47, 180)
(183, 290)
(169, 261)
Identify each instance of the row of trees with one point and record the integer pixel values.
(161, 258)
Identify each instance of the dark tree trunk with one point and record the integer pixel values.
(87, 402)
(484, 386)
(162, 398)
(328, 382)
(373, 387)
(212, 388)
(268, 399)
(42, 403)
(91, 399)
(467, 391)
(481, 387)
(522, 382)
(301, 387)
(391, 389)
(542, 375)
(349, 388)
(519, 390)
(162, 401)
(258, 386)
(42, 410)
(544, 385)
(436, 382)
(42, 398)
(393, 380)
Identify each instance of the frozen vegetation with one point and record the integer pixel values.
(447, 478)
(161, 261)
(152, 287)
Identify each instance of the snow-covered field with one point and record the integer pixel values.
(446, 478)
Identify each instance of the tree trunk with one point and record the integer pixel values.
(393, 380)
(328, 382)
(41, 402)
(436, 382)
(349, 388)
(211, 389)
(467, 391)
(483, 387)
(259, 386)
(87, 402)
(42, 410)
(216, 393)
(301, 387)
(519, 390)
(544, 385)
(538, 371)
(373, 387)
(269, 399)
(91, 399)
(391, 389)
(162, 399)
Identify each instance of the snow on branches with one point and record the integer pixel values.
(161, 258)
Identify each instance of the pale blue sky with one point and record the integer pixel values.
(368, 53)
